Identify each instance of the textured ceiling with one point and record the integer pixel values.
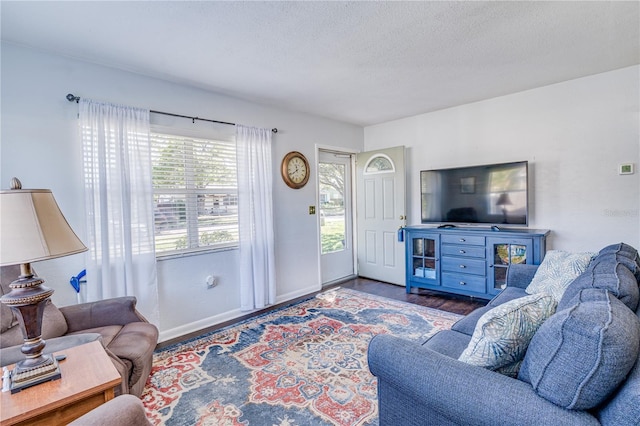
(358, 62)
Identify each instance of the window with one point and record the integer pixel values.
(379, 163)
(195, 193)
(508, 187)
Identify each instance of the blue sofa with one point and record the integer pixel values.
(424, 383)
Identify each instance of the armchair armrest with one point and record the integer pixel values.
(116, 311)
(460, 393)
(520, 275)
(125, 410)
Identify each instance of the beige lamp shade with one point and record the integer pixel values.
(32, 228)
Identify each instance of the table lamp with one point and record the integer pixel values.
(32, 228)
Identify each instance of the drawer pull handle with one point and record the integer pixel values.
(463, 283)
(462, 266)
(462, 240)
(462, 252)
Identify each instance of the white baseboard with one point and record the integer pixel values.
(211, 321)
(298, 293)
(199, 325)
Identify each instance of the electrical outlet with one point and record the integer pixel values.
(211, 281)
(312, 209)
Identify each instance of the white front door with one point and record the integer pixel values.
(380, 213)
(336, 216)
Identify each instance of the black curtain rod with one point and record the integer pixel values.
(72, 98)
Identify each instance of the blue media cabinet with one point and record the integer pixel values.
(469, 261)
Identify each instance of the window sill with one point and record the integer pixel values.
(204, 251)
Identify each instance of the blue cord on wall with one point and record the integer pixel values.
(75, 281)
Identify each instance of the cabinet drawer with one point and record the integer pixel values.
(464, 265)
(463, 239)
(464, 282)
(464, 251)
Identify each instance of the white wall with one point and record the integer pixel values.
(574, 134)
(41, 146)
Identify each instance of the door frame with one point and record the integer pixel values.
(352, 154)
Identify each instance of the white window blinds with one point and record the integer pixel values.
(195, 191)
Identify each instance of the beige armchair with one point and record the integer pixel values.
(127, 337)
(124, 410)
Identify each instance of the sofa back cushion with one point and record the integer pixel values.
(626, 254)
(623, 408)
(53, 325)
(581, 354)
(607, 274)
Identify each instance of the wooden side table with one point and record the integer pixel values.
(88, 380)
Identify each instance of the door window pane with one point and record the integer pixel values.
(332, 211)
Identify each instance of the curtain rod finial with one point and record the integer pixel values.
(71, 98)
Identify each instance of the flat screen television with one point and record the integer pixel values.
(495, 194)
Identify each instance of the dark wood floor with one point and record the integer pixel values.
(446, 302)
(432, 299)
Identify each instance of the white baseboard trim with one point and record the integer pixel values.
(298, 293)
(211, 321)
(199, 325)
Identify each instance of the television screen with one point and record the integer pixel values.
(489, 194)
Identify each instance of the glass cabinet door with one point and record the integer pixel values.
(424, 256)
(502, 253)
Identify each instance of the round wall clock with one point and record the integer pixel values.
(295, 170)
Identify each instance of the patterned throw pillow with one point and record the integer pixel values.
(502, 335)
(557, 270)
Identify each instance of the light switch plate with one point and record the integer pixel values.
(312, 209)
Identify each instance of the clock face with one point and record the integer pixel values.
(295, 170)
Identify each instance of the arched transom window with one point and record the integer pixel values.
(379, 163)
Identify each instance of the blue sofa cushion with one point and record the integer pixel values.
(557, 270)
(609, 275)
(467, 324)
(506, 295)
(510, 370)
(624, 407)
(520, 275)
(581, 354)
(447, 342)
(626, 254)
(503, 333)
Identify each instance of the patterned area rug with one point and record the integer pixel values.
(304, 364)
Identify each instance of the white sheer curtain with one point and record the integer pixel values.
(119, 203)
(255, 217)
